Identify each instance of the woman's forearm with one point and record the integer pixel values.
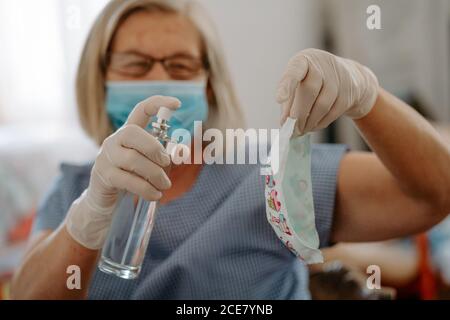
(44, 273)
(410, 148)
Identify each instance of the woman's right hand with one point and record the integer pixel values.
(131, 159)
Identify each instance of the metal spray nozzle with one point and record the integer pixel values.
(161, 126)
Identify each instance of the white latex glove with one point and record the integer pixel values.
(319, 87)
(130, 159)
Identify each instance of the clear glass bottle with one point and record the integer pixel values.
(133, 220)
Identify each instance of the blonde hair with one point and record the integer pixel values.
(224, 111)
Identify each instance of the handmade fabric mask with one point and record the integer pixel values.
(288, 193)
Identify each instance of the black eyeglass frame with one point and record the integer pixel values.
(151, 61)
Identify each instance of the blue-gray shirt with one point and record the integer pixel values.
(214, 242)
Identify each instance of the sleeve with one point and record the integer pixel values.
(53, 207)
(325, 161)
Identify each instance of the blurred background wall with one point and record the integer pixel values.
(260, 36)
(410, 54)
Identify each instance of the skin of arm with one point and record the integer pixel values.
(43, 273)
(403, 187)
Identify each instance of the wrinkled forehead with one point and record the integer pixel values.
(158, 34)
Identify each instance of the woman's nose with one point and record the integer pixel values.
(157, 72)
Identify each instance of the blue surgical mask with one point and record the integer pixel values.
(122, 97)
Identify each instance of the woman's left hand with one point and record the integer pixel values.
(319, 87)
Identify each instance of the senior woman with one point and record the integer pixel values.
(211, 238)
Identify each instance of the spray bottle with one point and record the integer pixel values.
(133, 220)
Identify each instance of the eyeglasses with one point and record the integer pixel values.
(179, 67)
